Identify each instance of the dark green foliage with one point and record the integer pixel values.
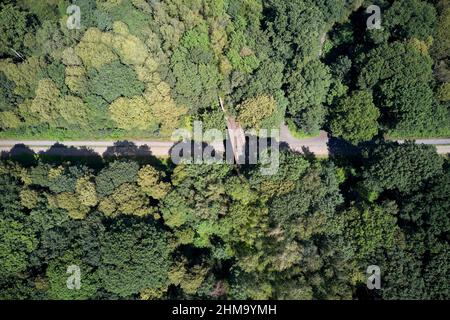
(13, 26)
(400, 77)
(394, 281)
(307, 90)
(304, 53)
(114, 175)
(16, 242)
(295, 28)
(113, 81)
(165, 231)
(57, 277)
(403, 167)
(195, 69)
(411, 19)
(317, 196)
(355, 117)
(56, 72)
(43, 10)
(135, 256)
(7, 97)
(290, 235)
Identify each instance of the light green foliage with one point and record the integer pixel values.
(16, 242)
(86, 192)
(29, 198)
(73, 111)
(69, 201)
(45, 103)
(25, 75)
(150, 182)
(75, 73)
(93, 52)
(444, 92)
(50, 107)
(254, 111)
(134, 113)
(441, 43)
(189, 279)
(131, 50)
(9, 120)
(127, 199)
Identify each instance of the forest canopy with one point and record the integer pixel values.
(141, 227)
(144, 228)
(170, 61)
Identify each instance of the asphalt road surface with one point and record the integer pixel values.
(317, 145)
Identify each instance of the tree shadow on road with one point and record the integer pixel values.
(127, 150)
(59, 154)
(21, 154)
(192, 151)
(341, 151)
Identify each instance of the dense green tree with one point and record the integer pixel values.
(411, 18)
(132, 113)
(253, 112)
(150, 182)
(403, 167)
(13, 27)
(135, 256)
(195, 69)
(441, 44)
(429, 208)
(16, 242)
(307, 90)
(117, 173)
(400, 77)
(57, 276)
(155, 230)
(295, 29)
(369, 227)
(355, 118)
(114, 80)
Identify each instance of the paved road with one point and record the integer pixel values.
(317, 145)
(157, 148)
